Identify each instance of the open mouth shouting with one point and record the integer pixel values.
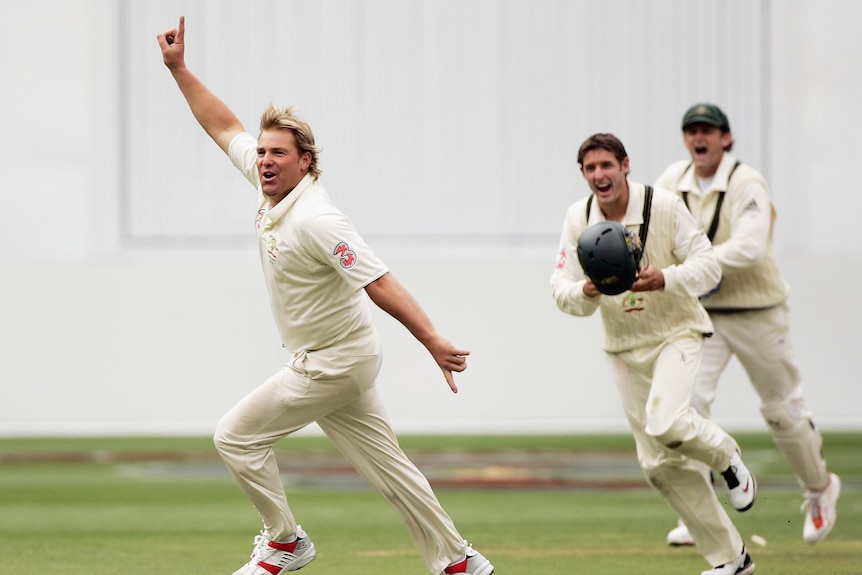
(706, 158)
(604, 188)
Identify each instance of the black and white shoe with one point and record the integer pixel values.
(742, 565)
(741, 485)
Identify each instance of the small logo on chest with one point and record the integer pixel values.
(632, 302)
(272, 249)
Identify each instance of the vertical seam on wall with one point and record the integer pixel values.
(766, 88)
(123, 188)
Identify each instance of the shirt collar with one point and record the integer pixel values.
(635, 208)
(278, 211)
(688, 182)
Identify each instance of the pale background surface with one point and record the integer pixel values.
(131, 298)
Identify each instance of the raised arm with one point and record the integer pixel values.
(211, 113)
(393, 298)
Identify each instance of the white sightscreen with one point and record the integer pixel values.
(442, 122)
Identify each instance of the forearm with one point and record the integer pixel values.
(393, 298)
(700, 271)
(217, 120)
(570, 296)
(568, 281)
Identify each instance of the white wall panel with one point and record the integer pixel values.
(415, 103)
(446, 122)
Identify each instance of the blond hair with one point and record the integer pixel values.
(278, 118)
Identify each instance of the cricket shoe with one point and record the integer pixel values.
(742, 565)
(275, 557)
(679, 535)
(473, 564)
(741, 485)
(820, 512)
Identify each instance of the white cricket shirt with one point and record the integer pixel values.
(314, 261)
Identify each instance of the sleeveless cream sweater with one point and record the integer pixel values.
(636, 319)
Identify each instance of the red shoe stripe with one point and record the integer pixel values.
(457, 567)
(817, 518)
(289, 547)
(274, 569)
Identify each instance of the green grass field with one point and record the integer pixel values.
(138, 506)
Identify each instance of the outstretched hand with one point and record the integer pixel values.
(449, 358)
(390, 296)
(172, 43)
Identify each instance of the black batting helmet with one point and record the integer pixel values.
(610, 256)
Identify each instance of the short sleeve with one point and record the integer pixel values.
(333, 239)
(243, 153)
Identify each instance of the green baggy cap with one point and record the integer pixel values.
(706, 114)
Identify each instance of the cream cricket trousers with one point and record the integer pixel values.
(760, 339)
(655, 384)
(335, 388)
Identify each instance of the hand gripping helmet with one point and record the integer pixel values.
(610, 256)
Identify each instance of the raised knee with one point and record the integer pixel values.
(672, 435)
(785, 418)
(221, 438)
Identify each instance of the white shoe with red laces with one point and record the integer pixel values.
(276, 557)
(820, 512)
(473, 564)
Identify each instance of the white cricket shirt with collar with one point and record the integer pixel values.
(314, 261)
(751, 276)
(752, 229)
(675, 244)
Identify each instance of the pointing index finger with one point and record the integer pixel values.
(181, 33)
(177, 35)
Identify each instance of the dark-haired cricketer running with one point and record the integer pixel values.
(653, 339)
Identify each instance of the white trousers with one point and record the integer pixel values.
(335, 388)
(655, 385)
(760, 339)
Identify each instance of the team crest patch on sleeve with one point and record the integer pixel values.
(561, 260)
(347, 256)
